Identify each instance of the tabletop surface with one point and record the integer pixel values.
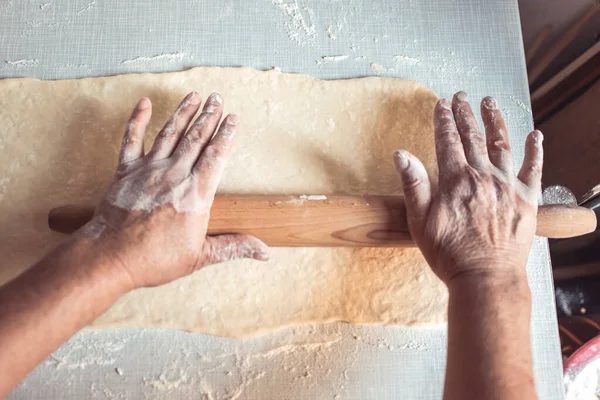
(446, 45)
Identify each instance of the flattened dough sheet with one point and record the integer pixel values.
(300, 135)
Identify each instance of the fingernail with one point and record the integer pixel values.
(538, 136)
(233, 119)
(461, 96)
(194, 98)
(143, 103)
(490, 103)
(402, 159)
(214, 101)
(215, 98)
(445, 104)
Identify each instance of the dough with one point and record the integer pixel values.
(300, 136)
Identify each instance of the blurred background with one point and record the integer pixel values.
(562, 48)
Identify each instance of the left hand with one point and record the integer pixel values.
(481, 221)
(153, 219)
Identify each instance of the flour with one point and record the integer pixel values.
(299, 21)
(586, 384)
(330, 32)
(213, 102)
(87, 7)
(378, 68)
(70, 67)
(163, 382)
(310, 361)
(295, 347)
(163, 56)
(22, 62)
(335, 58)
(520, 104)
(406, 59)
(93, 352)
(133, 193)
(94, 228)
(313, 197)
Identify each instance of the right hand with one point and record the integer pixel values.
(482, 219)
(153, 219)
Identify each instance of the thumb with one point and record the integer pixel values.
(230, 247)
(415, 184)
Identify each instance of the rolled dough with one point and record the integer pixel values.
(300, 136)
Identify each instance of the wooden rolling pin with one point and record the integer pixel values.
(319, 221)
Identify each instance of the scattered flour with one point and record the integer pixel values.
(520, 104)
(22, 62)
(330, 32)
(313, 197)
(87, 7)
(163, 56)
(335, 58)
(378, 68)
(299, 21)
(406, 59)
(163, 382)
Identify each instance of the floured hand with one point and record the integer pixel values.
(153, 219)
(481, 222)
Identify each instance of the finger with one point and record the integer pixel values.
(199, 134)
(531, 170)
(472, 139)
(169, 136)
(132, 147)
(496, 135)
(231, 247)
(448, 146)
(415, 185)
(209, 167)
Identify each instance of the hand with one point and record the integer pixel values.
(153, 219)
(482, 219)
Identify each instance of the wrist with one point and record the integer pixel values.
(96, 263)
(492, 281)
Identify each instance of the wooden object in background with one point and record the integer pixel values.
(572, 139)
(571, 33)
(341, 221)
(566, 84)
(537, 42)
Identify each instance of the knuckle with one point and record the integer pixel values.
(448, 136)
(473, 135)
(127, 140)
(469, 179)
(534, 169)
(193, 137)
(131, 124)
(411, 183)
(499, 145)
(186, 144)
(168, 130)
(214, 152)
(202, 122)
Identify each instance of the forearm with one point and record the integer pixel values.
(489, 351)
(49, 303)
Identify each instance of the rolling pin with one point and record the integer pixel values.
(330, 221)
